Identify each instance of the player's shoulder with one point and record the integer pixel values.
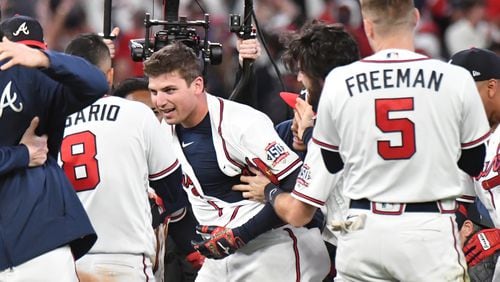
(239, 112)
(125, 104)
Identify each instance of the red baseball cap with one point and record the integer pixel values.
(289, 98)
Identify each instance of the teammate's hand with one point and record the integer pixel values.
(304, 116)
(19, 54)
(248, 49)
(254, 187)
(219, 241)
(482, 245)
(196, 260)
(110, 43)
(37, 145)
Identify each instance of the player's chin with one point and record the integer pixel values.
(299, 146)
(170, 117)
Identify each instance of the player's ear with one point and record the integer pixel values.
(368, 26)
(493, 88)
(110, 76)
(415, 16)
(198, 85)
(467, 228)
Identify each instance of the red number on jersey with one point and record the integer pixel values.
(403, 125)
(78, 153)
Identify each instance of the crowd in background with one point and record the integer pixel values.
(446, 26)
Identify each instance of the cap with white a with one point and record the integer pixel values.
(24, 29)
(483, 64)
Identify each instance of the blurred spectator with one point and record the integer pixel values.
(427, 37)
(125, 67)
(348, 13)
(470, 30)
(63, 20)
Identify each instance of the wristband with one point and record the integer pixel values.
(271, 191)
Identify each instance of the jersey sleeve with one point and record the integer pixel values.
(267, 148)
(323, 133)
(13, 157)
(158, 142)
(76, 83)
(314, 182)
(475, 128)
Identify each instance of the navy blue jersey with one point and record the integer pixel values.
(200, 152)
(39, 210)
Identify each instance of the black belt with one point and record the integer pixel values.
(366, 204)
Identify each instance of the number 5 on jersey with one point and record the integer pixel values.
(78, 153)
(403, 125)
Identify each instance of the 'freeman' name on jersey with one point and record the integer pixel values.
(393, 78)
(96, 113)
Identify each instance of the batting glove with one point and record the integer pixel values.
(195, 259)
(219, 241)
(482, 245)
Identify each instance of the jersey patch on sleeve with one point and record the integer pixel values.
(276, 153)
(304, 176)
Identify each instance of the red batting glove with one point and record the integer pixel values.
(482, 245)
(219, 242)
(195, 259)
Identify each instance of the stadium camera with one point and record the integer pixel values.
(176, 29)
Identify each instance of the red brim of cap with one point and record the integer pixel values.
(34, 43)
(289, 98)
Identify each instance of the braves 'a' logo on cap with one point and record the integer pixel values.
(22, 28)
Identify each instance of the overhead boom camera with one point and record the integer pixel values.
(180, 30)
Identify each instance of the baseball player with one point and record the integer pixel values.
(484, 66)
(216, 141)
(480, 241)
(337, 48)
(397, 122)
(112, 152)
(183, 261)
(43, 226)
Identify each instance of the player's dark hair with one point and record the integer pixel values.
(130, 85)
(92, 48)
(175, 57)
(316, 50)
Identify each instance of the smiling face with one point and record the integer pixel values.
(178, 101)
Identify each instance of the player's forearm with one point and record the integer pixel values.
(13, 157)
(293, 211)
(265, 220)
(183, 232)
(83, 83)
(170, 191)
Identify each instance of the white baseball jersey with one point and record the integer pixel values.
(110, 151)
(487, 183)
(240, 135)
(238, 139)
(314, 173)
(399, 121)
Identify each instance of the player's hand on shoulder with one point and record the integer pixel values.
(37, 145)
(13, 53)
(219, 242)
(252, 187)
(481, 245)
